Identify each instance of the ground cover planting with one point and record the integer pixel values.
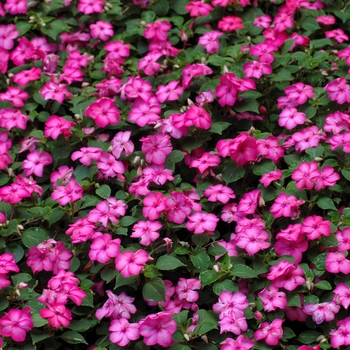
(174, 174)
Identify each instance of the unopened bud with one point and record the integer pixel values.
(137, 160)
(258, 315)
(216, 268)
(321, 339)
(22, 285)
(176, 66)
(190, 102)
(143, 23)
(158, 125)
(318, 159)
(205, 339)
(18, 292)
(20, 227)
(225, 70)
(251, 131)
(10, 172)
(308, 122)
(184, 244)
(139, 171)
(10, 75)
(187, 337)
(309, 285)
(85, 84)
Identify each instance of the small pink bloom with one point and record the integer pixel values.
(131, 263)
(101, 30)
(271, 333)
(35, 162)
(122, 332)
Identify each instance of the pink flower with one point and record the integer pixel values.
(290, 118)
(204, 162)
(338, 90)
(145, 113)
(14, 193)
(337, 34)
(81, 231)
(7, 34)
(169, 92)
(299, 92)
(286, 275)
(306, 175)
(149, 63)
(87, 155)
(252, 240)
(287, 206)
(230, 301)
(16, 323)
(147, 231)
(25, 76)
(101, 30)
(326, 20)
(210, 42)
(156, 148)
(241, 343)
(122, 332)
(131, 263)
(202, 222)
(185, 289)
(243, 149)
(16, 7)
(219, 193)
(272, 299)
(263, 21)
(55, 91)
(7, 263)
(117, 306)
(337, 262)
(198, 8)
(341, 336)
(315, 227)
(158, 31)
(90, 6)
(342, 295)
(256, 69)
(229, 23)
(104, 112)
(198, 117)
(103, 248)
(55, 126)
(35, 162)
(275, 175)
(271, 333)
(153, 205)
(158, 329)
(57, 315)
(322, 312)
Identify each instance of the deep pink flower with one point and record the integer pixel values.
(315, 227)
(286, 275)
(198, 8)
(7, 263)
(202, 222)
(287, 206)
(338, 34)
(101, 30)
(271, 333)
(7, 34)
(275, 175)
(252, 240)
(55, 126)
(241, 343)
(338, 90)
(55, 91)
(122, 332)
(16, 7)
(157, 31)
(156, 148)
(147, 231)
(170, 92)
(290, 118)
(185, 289)
(341, 336)
(57, 315)
(16, 323)
(210, 42)
(104, 112)
(158, 329)
(219, 193)
(337, 262)
(131, 263)
(35, 163)
(103, 248)
(229, 23)
(272, 298)
(306, 175)
(342, 295)
(90, 6)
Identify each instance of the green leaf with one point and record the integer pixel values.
(181, 318)
(168, 262)
(311, 299)
(23, 27)
(324, 285)
(232, 173)
(326, 203)
(282, 75)
(243, 271)
(38, 336)
(293, 299)
(72, 337)
(34, 236)
(207, 321)
(247, 105)
(21, 277)
(287, 334)
(320, 43)
(148, 16)
(82, 172)
(346, 174)
(329, 241)
(56, 215)
(225, 285)
(38, 320)
(154, 290)
(219, 127)
(200, 260)
(89, 201)
(127, 221)
(104, 191)
(108, 274)
(175, 156)
(315, 152)
(179, 347)
(320, 261)
(160, 7)
(82, 325)
(179, 6)
(264, 167)
(216, 250)
(308, 337)
(208, 277)
(150, 271)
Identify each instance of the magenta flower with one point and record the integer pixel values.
(205, 161)
(55, 91)
(306, 175)
(338, 90)
(153, 205)
(337, 262)
(169, 92)
(122, 332)
(103, 248)
(275, 175)
(210, 42)
(287, 206)
(252, 240)
(147, 231)
(158, 329)
(198, 117)
(185, 289)
(57, 315)
(341, 336)
(131, 263)
(315, 227)
(290, 118)
(342, 295)
(272, 298)
(90, 6)
(202, 222)
(101, 30)
(35, 162)
(158, 31)
(322, 312)
(271, 333)
(219, 193)
(241, 343)
(243, 149)
(104, 112)
(229, 23)
(156, 148)
(16, 323)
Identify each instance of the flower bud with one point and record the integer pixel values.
(22, 285)
(258, 315)
(85, 84)
(137, 160)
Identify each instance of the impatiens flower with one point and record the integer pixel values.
(185, 289)
(131, 263)
(287, 206)
(230, 301)
(122, 332)
(337, 262)
(103, 248)
(158, 329)
(156, 148)
(219, 193)
(272, 298)
(341, 336)
(55, 91)
(271, 333)
(16, 324)
(241, 343)
(7, 263)
(342, 295)
(117, 306)
(147, 231)
(314, 227)
(263, 21)
(157, 31)
(256, 69)
(290, 118)
(170, 92)
(322, 312)
(104, 112)
(57, 315)
(338, 90)
(55, 126)
(35, 163)
(202, 222)
(252, 240)
(198, 8)
(229, 23)
(326, 20)
(337, 34)
(206, 161)
(90, 6)
(275, 175)
(306, 175)
(198, 117)
(210, 42)
(16, 7)
(25, 76)
(7, 34)
(101, 30)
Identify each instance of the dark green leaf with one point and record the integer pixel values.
(181, 318)
(232, 173)
(247, 105)
(216, 250)
(168, 262)
(324, 285)
(200, 260)
(154, 290)
(104, 191)
(38, 336)
(23, 27)
(208, 277)
(207, 321)
(243, 271)
(127, 221)
(326, 203)
(219, 127)
(34, 236)
(225, 285)
(308, 337)
(72, 337)
(179, 6)
(56, 215)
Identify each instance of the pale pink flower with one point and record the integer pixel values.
(322, 312)
(202, 222)
(210, 42)
(101, 30)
